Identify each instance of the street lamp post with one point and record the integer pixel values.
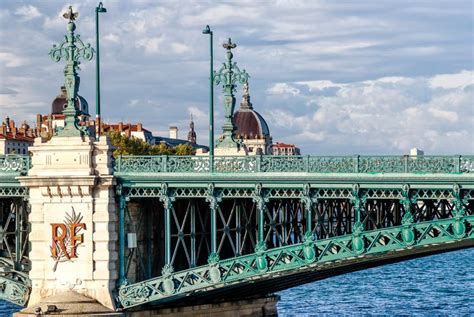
(207, 30)
(99, 9)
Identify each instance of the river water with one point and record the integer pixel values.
(437, 285)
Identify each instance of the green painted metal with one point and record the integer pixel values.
(122, 205)
(12, 165)
(149, 165)
(229, 74)
(71, 49)
(291, 258)
(15, 287)
(207, 30)
(433, 196)
(99, 9)
(213, 205)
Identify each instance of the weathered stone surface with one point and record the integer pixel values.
(73, 174)
(69, 303)
(264, 306)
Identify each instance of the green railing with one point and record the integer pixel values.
(295, 164)
(14, 165)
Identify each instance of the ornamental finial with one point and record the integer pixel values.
(229, 45)
(70, 15)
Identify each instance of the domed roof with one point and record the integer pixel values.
(60, 102)
(248, 122)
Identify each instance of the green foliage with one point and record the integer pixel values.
(134, 146)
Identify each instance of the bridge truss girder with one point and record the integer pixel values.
(15, 286)
(201, 234)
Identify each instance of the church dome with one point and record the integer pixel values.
(248, 122)
(60, 102)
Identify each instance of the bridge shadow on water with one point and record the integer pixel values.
(441, 284)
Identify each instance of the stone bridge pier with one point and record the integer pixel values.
(73, 239)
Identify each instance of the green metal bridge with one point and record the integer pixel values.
(258, 224)
(14, 229)
(198, 228)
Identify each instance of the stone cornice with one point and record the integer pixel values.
(42, 181)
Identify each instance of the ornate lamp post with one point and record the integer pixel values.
(71, 49)
(207, 30)
(99, 9)
(229, 74)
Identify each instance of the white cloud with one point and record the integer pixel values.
(112, 38)
(319, 84)
(12, 60)
(460, 80)
(218, 14)
(334, 78)
(151, 45)
(180, 48)
(449, 116)
(198, 114)
(28, 12)
(283, 88)
(382, 115)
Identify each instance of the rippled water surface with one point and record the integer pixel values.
(437, 285)
(441, 284)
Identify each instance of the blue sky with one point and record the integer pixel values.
(333, 77)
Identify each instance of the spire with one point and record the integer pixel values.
(191, 133)
(246, 104)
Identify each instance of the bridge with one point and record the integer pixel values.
(260, 224)
(139, 231)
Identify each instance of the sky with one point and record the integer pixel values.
(332, 77)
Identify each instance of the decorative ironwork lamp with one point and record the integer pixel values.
(71, 50)
(229, 74)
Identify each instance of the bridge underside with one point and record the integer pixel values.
(15, 285)
(222, 241)
(271, 284)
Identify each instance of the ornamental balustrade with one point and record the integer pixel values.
(12, 165)
(295, 164)
(16, 165)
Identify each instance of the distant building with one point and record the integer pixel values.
(173, 139)
(47, 124)
(15, 140)
(416, 152)
(251, 129)
(192, 134)
(129, 130)
(285, 149)
(137, 131)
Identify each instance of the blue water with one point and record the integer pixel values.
(437, 285)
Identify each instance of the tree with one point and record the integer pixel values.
(134, 146)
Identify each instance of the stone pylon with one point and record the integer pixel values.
(74, 225)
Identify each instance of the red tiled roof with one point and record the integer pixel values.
(125, 126)
(283, 145)
(17, 137)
